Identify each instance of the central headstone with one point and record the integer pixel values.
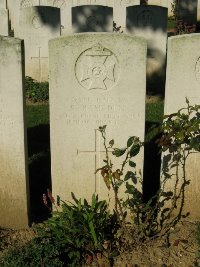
(91, 18)
(96, 79)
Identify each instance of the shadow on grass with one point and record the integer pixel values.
(39, 170)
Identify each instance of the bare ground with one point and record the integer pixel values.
(179, 250)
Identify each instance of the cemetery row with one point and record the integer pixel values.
(95, 79)
(38, 21)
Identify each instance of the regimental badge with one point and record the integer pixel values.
(97, 68)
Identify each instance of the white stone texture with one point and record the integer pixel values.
(37, 26)
(96, 79)
(14, 187)
(11, 6)
(183, 80)
(4, 22)
(150, 22)
(187, 11)
(3, 4)
(89, 18)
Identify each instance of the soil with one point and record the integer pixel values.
(180, 249)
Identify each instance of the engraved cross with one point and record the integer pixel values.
(39, 63)
(96, 151)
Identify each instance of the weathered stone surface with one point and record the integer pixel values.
(3, 4)
(37, 26)
(150, 22)
(4, 21)
(95, 79)
(183, 80)
(14, 188)
(92, 18)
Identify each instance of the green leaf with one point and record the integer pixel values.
(111, 143)
(130, 141)
(135, 149)
(119, 152)
(132, 164)
(130, 175)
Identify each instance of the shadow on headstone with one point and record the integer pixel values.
(150, 22)
(89, 18)
(39, 170)
(152, 164)
(187, 11)
(49, 16)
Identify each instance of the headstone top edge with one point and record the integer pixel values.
(11, 39)
(184, 36)
(88, 35)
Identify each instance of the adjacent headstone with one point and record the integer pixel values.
(163, 3)
(3, 4)
(150, 22)
(91, 18)
(96, 79)
(198, 12)
(187, 11)
(120, 12)
(4, 22)
(183, 80)
(14, 187)
(37, 26)
(11, 6)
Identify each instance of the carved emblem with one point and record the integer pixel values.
(92, 22)
(97, 68)
(37, 22)
(144, 18)
(59, 3)
(197, 69)
(26, 3)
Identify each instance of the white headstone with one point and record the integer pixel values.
(183, 80)
(119, 12)
(3, 4)
(150, 22)
(14, 187)
(187, 11)
(163, 3)
(4, 22)
(198, 12)
(11, 6)
(91, 18)
(96, 79)
(37, 26)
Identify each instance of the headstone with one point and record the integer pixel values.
(37, 26)
(120, 12)
(187, 11)
(96, 79)
(183, 80)
(4, 22)
(163, 3)
(198, 12)
(150, 22)
(11, 6)
(3, 4)
(90, 18)
(14, 187)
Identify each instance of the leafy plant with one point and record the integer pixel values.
(35, 91)
(81, 231)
